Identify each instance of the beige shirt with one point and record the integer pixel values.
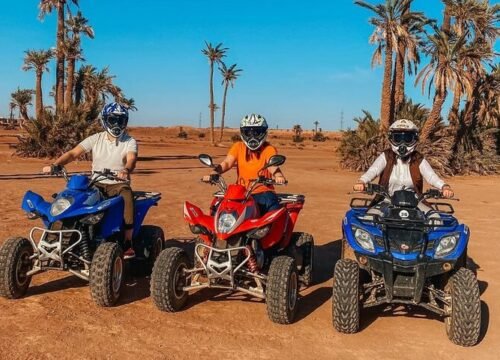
(400, 176)
(109, 154)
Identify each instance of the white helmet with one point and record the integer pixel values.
(403, 137)
(253, 131)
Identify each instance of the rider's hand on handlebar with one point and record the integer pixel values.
(279, 179)
(123, 175)
(447, 192)
(360, 186)
(210, 178)
(47, 170)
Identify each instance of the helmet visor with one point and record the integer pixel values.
(403, 137)
(116, 121)
(253, 132)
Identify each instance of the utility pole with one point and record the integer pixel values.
(199, 121)
(342, 120)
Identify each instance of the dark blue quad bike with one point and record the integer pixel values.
(82, 234)
(403, 256)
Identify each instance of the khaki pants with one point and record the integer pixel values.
(123, 189)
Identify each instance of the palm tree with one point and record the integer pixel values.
(38, 60)
(214, 55)
(129, 103)
(75, 26)
(46, 7)
(316, 123)
(387, 22)
(229, 76)
(12, 107)
(22, 98)
(444, 72)
(85, 72)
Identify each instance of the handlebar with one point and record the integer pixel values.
(371, 189)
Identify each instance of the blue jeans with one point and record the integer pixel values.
(266, 201)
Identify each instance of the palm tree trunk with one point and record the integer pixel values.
(455, 107)
(39, 96)
(434, 115)
(212, 105)
(387, 106)
(23, 112)
(68, 96)
(223, 112)
(60, 57)
(399, 77)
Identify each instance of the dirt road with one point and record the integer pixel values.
(58, 319)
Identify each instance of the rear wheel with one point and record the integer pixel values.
(168, 280)
(282, 290)
(345, 299)
(106, 274)
(15, 263)
(464, 323)
(305, 242)
(153, 239)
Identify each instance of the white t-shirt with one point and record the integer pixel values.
(401, 176)
(109, 154)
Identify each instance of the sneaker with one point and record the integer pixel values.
(129, 254)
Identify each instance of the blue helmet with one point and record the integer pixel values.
(114, 118)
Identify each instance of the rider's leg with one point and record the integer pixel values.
(267, 201)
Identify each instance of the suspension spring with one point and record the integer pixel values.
(252, 262)
(84, 246)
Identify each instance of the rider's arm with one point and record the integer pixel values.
(129, 166)
(66, 158)
(225, 165)
(430, 176)
(375, 170)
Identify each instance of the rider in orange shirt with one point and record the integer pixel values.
(250, 155)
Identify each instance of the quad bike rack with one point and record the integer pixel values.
(52, 251)
(216, 271)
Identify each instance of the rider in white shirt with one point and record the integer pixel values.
(401, 167)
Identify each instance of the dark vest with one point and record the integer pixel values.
(391, 160)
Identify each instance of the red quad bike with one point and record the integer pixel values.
(239, 249)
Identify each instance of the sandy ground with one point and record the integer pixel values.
(57, 318)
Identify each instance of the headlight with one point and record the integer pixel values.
(60, 205)
(446, 245)
(259, 233)
(364, 239)
(226, 222)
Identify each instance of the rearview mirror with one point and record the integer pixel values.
(206, 160)
(275, 160)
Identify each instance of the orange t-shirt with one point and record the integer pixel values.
(250, 162)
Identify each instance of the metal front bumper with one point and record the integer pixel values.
(49, 252)
(221, 274)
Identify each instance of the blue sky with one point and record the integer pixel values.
(302, 61)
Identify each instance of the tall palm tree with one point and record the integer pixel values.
(316, 123)
(47, 7)
(229, 76)
(75, 25)
(214, 55)
(22, 98)
(409, 45)
(38, 60)
(444, 72)
(387, 22)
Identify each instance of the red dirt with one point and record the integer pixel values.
(57, 318)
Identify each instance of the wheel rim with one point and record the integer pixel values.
(117, 274)
(179, 281)
(292, 293)
(22, 267)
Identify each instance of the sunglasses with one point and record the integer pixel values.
(398, 138)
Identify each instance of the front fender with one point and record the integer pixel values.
(33, 202)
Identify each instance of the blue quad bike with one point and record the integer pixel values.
(82, 234)
(403, 256)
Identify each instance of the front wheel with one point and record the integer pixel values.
(106, 274)
(464, 323)
(15, 263)
(168, 280)
(282, 290)
(345, 299)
